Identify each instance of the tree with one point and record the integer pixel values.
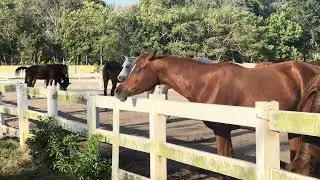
(281, 38)
(306, 14)
(233, 32)
(49, 12)
(89, 31)
(9, 30)
(186, 30)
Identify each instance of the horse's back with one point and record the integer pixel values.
(46, 71)
(283, 82)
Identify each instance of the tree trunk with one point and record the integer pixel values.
(101, 57)
(39, 57)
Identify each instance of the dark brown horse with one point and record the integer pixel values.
(111, 70)
(222, 83)
(48, 72)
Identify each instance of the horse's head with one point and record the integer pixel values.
(126, 68)
(141, 79)
(64, 70)
(64, 83)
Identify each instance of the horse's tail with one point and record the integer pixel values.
(311, 96)
(19, 69)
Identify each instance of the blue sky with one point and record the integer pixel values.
(122, 2)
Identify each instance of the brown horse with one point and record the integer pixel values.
(219, 86)
(307, 159)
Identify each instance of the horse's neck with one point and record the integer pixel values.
(183, 80)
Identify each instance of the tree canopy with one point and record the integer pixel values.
(93, 31)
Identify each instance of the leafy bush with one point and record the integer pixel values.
(60, 150)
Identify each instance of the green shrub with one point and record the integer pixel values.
(60, 150)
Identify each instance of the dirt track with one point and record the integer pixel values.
(186, 132)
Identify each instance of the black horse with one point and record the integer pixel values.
(111, 70)
(49, 72)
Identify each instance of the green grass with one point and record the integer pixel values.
(12, 158)
(16, 163)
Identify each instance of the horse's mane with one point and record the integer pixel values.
(203, 60)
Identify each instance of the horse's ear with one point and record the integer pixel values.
(152, 55)
(125, 57)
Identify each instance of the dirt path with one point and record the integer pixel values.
(180, 131)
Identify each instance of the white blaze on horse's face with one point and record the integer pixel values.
(127, 67)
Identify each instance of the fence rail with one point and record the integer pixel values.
(265, 117)
(286, 121)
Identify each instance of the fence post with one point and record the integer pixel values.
(101, 83)
(267, 141)
(92, 114)
(1, 117)
(52, 102)
(115, 142)
(22, 101)
(158, 164)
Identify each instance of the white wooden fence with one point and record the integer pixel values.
(265, 117)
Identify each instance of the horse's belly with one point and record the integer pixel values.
(287, 101)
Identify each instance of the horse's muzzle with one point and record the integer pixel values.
(121, 78)
(63, 88)
(121, 94)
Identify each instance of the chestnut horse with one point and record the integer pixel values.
(223, 83)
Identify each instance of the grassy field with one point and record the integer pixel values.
(16, 163)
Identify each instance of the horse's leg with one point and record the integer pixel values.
(28, 81)
(114, 85)
(224, 143)
(164, 90)
(105, 84)
(150, 92)
(33, 82)
(223, 137)
(47, 82)
(56, 81)
(50, 82)
(295, 141)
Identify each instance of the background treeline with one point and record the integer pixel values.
(92, 31)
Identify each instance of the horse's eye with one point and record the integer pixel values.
(127, 67)
(139, 70)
